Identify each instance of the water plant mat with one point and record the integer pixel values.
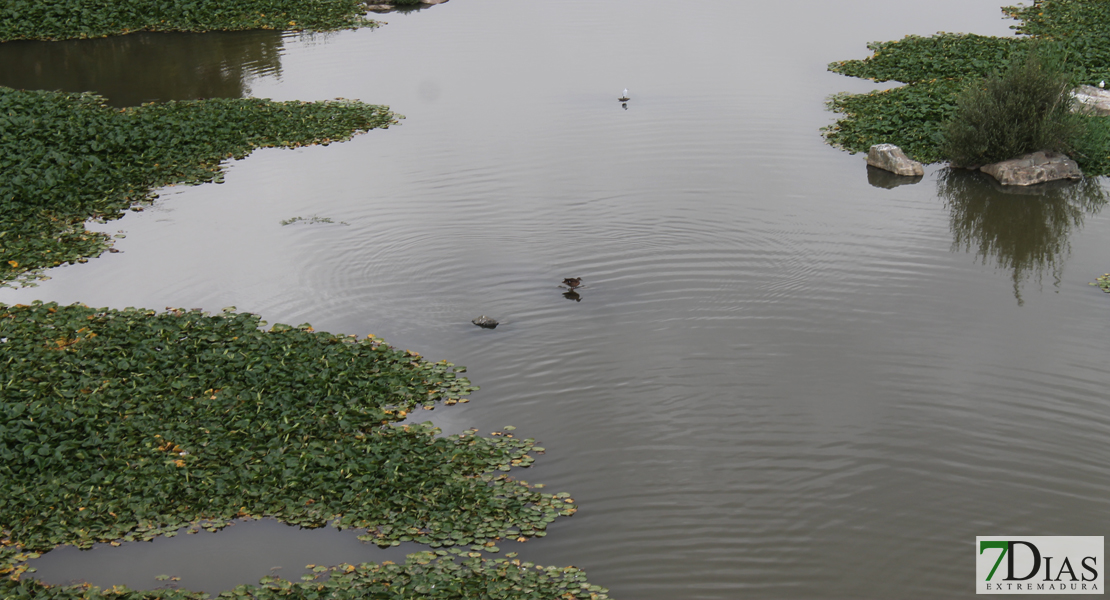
(68, 19)
(66, 158)
(127, 424)
(425, 575)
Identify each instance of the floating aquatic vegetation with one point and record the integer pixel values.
(943, 56)
(1080, 29)
(67, 19)
(311, 220)
(66, 158)
(121, 425)
(1072, 33)
(1103, 282)
(431, 575)
(909, 117)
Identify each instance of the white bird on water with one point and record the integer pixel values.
(624, 96)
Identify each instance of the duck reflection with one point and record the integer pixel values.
(1022, 230)
(572, 295)
(145, 67)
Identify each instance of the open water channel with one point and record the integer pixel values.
(784, 379)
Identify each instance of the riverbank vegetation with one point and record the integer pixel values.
(69, 19)
(67, 158)
(1073, 35)
(122, 425)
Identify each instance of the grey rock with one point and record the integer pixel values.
(1092, 99)
(486, 322)
(1034, 168)
(889, 157)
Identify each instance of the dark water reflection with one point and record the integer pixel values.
(1021, 230)
(881, 178)
(146, 67)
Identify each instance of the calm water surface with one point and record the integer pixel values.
(787, 377)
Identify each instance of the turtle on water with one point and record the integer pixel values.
(486, 322)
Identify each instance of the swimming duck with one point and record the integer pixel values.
(572, 282)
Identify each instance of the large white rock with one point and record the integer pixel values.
(1093, 99)
(889, 157)
(1034, 168)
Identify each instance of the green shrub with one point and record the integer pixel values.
(1025, 109)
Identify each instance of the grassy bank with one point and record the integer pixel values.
(69, 19)
(1072, 33)
(125, 425)
(66, 158)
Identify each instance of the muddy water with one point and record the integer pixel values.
(786, 378)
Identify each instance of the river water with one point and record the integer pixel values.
(786, 378)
